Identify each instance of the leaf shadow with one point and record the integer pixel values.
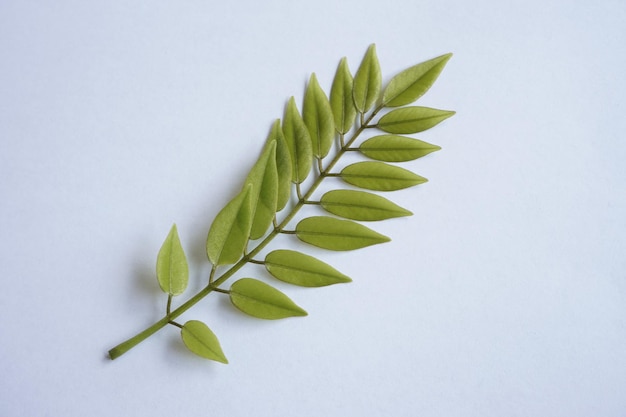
(145, 279)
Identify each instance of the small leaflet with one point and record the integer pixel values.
(361, 205)
(263, 301)
(202, 341)
(300, 269)
(172, 268)
(230, 230)
(394, 148)
(335, 234)
(367, 81)
(318, 118)
(298, 141)
(380, 176)
(341, 100)
(414, 82)
(412, 119)
(283, 165)
(264, 192)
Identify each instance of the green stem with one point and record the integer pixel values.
(124, 347)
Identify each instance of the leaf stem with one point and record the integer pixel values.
(213, 285)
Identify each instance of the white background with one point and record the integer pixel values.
(504, 295)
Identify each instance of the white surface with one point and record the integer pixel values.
(505, 295)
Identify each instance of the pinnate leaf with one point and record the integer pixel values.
(264, 191)
(412, 119)
(341, 100)
(300, 269)
(202, 341)
(230, 230)
(318, 117)
(360, 205)
(261, 300)
(379, 176)
(367, 81)
(414, 82)
(394, 148)
(172, 268)
(298, 141)
(335, 234)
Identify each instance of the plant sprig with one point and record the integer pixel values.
(301, 152)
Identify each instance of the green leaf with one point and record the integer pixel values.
(412, 119)
(230, 230)
(298, 141)
(367, 81)
(258, 299)
(283, 165)
(379, 176)
(300, 269)
(414, 82)
(172, 268)
(341, 100)
(393, 148)
(318, 118)
(264, 192)
(202, 341)
(334, 234)
(360, 205)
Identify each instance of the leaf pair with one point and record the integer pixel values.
(251, 212)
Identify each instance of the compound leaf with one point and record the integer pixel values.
(261, 300)
(202, 341)
(379, 176)
(298, 141)
(360, 205)
(412, 119)
(230, 230)
(300, 269)
(341, 100)
(172, 268)
(414, 82)
(394, 148)
(335, 234)
(367, 81)
(264, 192)
(318, 118)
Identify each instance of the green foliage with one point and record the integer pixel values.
(282, 183)
(263, 301)
(394, 148)
(334, 234)
(230, 230)
(283, 165)
(300, 269)
(413, 82)
(379, 176)
(341, 102)
(318, 118)
(202, 341)
(172, 269)
(360, 205)
(298, 141)
(412, 119)
(367, 81)
(264, 192)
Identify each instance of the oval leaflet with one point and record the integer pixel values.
(263, 301)
(361, 205)
(335, 234)
(202, 341)
(379, 176)
(300, 269)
